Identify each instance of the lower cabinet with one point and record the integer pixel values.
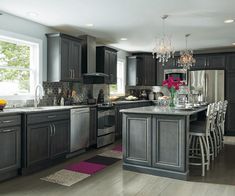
(38, 145)
(47, 141)
(155, 143)
(60, 138)
(10, 145)
(47, 138)
(10, 148)
(168, 143)
(137, 139)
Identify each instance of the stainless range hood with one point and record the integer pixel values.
(90, 76)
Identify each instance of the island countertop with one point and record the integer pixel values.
(164, 110)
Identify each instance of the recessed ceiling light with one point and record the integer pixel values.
(32, 14)
(89, 25)
(123, 39)
(229, 21)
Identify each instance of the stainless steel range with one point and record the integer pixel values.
(106, 124)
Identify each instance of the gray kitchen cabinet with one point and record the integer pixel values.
(63, 57)
(38, 143)
(46, 138)
(118, 114)
(141, 70)
(168, 143)
(10, 142)
(93, 126)
(106, 62)
(60, 138)
(209, 61)
(137, 139)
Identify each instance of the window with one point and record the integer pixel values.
(119, 88)
(19, 66)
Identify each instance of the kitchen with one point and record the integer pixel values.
(72, 123)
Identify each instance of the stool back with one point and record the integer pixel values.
(209, 119)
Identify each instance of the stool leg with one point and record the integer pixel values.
(212, 147)
(205, 142)
(203, 156)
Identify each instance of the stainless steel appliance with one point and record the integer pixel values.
(106, 125)
(79, 125)
(207, 85)
(176, 73)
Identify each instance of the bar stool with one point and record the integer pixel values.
(225, 106)
(219, 122)
(200, 141)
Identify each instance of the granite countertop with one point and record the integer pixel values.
(40, 109)
(126, 101)
(163, 110)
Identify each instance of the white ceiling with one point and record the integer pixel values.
(138, 20)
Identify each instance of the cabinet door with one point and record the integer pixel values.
(93, 126)
(230, 62)
(150, 71)
(131, 71)
(38, 143)
(60, 138)
(168, 143)
(10, 148)
(76, 60)
(216, 62)
(137, 139)
(113, 68)
(201, 62)
(66, 64)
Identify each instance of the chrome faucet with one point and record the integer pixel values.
(38, 95)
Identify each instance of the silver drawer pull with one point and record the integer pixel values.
(7, 121)
(53, 116)
(7, 130)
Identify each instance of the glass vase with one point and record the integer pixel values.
(172, 99)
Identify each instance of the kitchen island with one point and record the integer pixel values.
(155, 140)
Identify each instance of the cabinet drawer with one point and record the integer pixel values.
(47, 116)
(7, 121)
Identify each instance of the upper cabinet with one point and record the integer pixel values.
(63, 58)
(209, 61)
(106, 62)
(141, 70)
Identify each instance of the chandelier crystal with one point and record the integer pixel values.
(186, 59)
(163, 49)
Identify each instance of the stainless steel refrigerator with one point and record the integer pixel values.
(210, 83)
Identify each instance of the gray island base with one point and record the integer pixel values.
(155, 140)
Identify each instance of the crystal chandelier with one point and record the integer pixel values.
(186, 59)
(163, 49)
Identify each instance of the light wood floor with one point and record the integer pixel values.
(111, 182)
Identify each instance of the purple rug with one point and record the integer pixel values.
(85, 167)
(118, 148)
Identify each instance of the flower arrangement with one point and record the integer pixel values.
(173, 85)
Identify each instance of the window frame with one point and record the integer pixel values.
(124, 78)
(36, 70)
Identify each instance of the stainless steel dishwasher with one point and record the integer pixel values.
(79, 124)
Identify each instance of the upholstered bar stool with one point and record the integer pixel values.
(200, 142)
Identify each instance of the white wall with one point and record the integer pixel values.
(17, 25)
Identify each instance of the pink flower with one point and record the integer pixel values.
(172, 83)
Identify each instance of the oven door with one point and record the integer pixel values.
(106, 122)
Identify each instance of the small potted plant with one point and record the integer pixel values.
(173, 85)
